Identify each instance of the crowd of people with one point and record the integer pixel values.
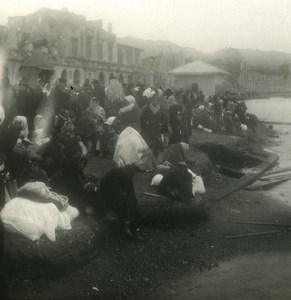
(48, 132)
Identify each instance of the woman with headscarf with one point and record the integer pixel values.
(154, 126)
(97, 111)
(129, 114)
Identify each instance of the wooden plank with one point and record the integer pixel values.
(229, 171)
(230, 237)
(265, 184)
(278, 171)
(152, 195)
(261, 223)
(274, 177)
(245, 180)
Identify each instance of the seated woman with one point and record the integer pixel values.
(97, 110)
(131, 148)
(17, 156)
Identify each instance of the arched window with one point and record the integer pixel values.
(76, 78)
(64, 74)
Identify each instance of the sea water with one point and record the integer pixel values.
(277, 110)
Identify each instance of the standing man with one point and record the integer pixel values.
(99, 92)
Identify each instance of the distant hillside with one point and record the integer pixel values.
(269, 60)
(153, 48)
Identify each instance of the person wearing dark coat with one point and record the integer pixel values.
(117, 192)
(60, 97)
(25, 102)
(175, 119)
(8, 99)
(187, 117)
(99, 92)
(154, 126)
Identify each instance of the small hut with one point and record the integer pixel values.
(210, 79)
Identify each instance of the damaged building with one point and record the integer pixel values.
(51, 44)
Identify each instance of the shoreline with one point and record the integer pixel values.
(121, 269)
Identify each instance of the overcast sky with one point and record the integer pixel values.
(207, 25)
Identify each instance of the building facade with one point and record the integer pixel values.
(63, 44)
(258, 79)
(263, 81)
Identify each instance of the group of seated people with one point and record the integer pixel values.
(133, 131)
(225, 115)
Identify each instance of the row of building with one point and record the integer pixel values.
(51, 44)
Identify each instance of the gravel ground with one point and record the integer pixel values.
(122, 269)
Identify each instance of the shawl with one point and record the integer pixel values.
(114, 91)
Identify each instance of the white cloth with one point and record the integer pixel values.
(130, 99)
(32, 219)
(197, 184)
(148, 93)
(156, 180)
(110, 121)
(129, 148)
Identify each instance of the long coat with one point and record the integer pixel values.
(153, 126)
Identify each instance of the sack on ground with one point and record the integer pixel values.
(197, 184)
(32, 219)
(38, 191)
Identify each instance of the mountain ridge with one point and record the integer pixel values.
(270, 59)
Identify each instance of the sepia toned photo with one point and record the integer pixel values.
(145, 150)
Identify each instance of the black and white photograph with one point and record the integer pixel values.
(145, 150)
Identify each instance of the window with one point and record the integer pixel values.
(120, 56)
(74, 47)
(110, 53)
(137, 57)
(129, 57)
(88, 49)
(100, 51)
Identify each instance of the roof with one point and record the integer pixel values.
(198, 67)
(128, 46)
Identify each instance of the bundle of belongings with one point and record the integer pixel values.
(179, 183)
(131, 149)
(36, 211)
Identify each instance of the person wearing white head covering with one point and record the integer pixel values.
(21, 123)
(129, 115)
(148, 93)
